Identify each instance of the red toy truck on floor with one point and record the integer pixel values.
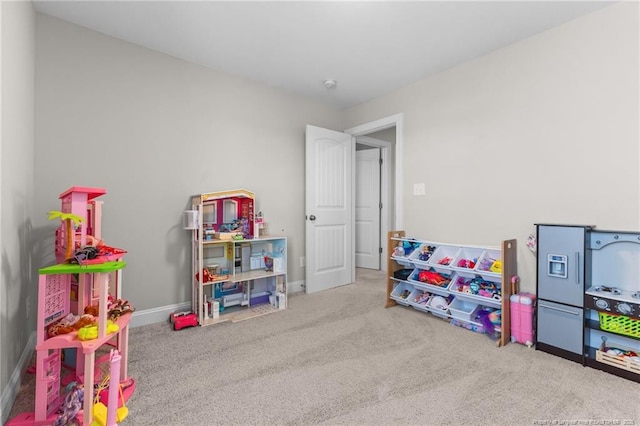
(181, 320)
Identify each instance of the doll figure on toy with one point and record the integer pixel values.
(399, 250)
(115, 308)
(71, 406)
(70, 323)
(95, 251)
(93, 241)
(426, 253)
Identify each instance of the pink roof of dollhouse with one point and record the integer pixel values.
(239, 193)
(90, 191)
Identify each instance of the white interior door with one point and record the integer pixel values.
(368, 208)
(329, 231)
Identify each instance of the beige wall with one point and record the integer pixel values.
(17, 272)
(544, 130)
(154, 130)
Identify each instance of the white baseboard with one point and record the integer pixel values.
(295, 287)
(160, 314)
(154, 315)
(10, 392)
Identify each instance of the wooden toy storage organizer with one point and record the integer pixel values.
(508, 256)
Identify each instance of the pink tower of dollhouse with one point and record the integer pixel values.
(79, 201)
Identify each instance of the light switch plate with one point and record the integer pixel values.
(418, 189)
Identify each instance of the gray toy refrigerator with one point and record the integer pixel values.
(561, 278)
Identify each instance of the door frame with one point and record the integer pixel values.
(382, 187)
(386, 194)
(394, 192)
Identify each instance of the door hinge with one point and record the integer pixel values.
(381, 161)
(380, 250)
(380, 206)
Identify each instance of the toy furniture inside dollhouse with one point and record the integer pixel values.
(80, 317)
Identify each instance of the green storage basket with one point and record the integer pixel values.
(619, 324)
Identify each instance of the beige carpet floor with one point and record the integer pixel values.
(339, 357)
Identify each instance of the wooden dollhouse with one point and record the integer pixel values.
(237, 273)
(80, 316)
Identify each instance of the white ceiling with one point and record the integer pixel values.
(369, 48)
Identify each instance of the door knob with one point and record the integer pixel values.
(312, 217)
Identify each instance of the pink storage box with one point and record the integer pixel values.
(522, 308)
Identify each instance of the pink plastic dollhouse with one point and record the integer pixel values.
(66, 291)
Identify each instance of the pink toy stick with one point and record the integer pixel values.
(114, 383)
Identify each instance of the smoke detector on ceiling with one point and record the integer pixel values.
(329, 84)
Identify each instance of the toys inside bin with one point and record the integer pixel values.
(421, 255)
(490, 262)
(426, 252)
(415, 294)
(405, 248)
(468, 325)
(431, 277)
(422, 299)
(461, 283)
(618, 356)
(478, 286)
(444, 255)
(491, 320)
(401, 293)
(440, 303)
(405, 294)
(466, 263)
(467, 258)
(402, 274)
